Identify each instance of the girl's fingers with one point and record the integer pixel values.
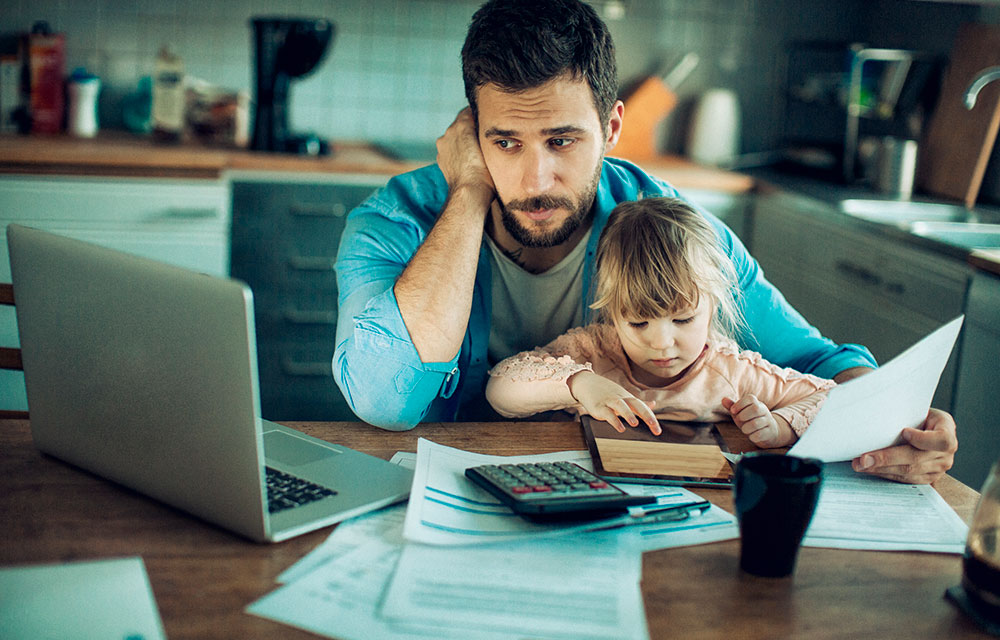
(646, 415)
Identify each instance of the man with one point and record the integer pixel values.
(428, 301)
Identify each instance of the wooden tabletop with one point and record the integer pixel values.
(203, 577)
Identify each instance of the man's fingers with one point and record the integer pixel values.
(932, 440)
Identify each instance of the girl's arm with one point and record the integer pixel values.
(776, 404)
(532, 382)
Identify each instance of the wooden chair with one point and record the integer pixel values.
(10, 357)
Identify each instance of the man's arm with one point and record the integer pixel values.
(404, 309)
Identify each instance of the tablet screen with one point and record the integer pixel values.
(686, 453)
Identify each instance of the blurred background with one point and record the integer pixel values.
(393, 72)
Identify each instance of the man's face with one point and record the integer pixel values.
(543, 148)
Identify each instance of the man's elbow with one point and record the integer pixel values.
(385, 410)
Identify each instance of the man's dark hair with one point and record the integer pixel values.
(522, 44)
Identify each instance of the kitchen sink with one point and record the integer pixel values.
(904, 212)
(969, 235)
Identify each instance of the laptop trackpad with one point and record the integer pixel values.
(288, 449)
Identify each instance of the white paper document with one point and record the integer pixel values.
(871, 411)
(93, 599)
(858, 511)
(447, 508)
(548, 588)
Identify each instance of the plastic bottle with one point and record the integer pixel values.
(168, 96)
(83, 88)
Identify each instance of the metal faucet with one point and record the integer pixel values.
(985, 77)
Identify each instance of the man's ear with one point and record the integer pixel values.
(614, 128)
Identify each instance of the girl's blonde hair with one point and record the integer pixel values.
(657, 257)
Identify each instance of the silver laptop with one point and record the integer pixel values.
(146, 374)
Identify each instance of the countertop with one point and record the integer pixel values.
(831, 194)
(123, 154)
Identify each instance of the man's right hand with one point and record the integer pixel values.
(459, 156)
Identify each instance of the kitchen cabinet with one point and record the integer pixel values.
(858, 286)
(285, 237)
(735, 209)
(975, 391)
(180, 221)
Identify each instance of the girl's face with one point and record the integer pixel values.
(661, 349)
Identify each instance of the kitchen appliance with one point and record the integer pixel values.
(840, 95)
(714, 134)
(285, 48)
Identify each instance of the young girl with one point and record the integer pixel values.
(663, 344)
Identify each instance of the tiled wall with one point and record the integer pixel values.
(393, 72)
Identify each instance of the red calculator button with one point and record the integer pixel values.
(598, 484)
(521, 489)
(542, 487)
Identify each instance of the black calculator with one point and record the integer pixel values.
(554, 490)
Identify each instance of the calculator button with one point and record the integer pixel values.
(541, 487)
(520, 489)
(598, 484)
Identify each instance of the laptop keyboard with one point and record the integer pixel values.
(285, 491)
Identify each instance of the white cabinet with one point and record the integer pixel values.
(975, 393)
(181, 221)
(856, 286)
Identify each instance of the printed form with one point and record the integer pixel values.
(446, 508)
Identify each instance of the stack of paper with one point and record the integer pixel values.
(454, 563)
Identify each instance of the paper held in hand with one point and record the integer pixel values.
(871, 411)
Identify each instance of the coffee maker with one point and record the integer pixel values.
(285, 48)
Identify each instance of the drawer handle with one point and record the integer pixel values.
(307, 369)
(312, 263)
(335, 210)
(858, 272)
(181, 213)
(305, 316)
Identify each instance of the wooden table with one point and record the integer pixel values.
(203, 577)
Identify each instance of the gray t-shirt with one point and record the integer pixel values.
(531, 309)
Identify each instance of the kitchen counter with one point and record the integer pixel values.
(123, 154)
(830, 194)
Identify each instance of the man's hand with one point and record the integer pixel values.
(754, 419)
(608, 401)
(853, 372)
(460, 158)
(928, 454)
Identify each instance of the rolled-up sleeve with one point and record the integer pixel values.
(375, 363)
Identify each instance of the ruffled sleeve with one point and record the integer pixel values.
(796, 397)
(535, 381)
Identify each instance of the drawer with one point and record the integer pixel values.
(297, 384)
(910, 277)
(198, 205)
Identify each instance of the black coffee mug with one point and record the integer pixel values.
(775, 497)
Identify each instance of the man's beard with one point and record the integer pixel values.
(552, 237)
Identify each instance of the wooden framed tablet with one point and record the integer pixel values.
(686, 453)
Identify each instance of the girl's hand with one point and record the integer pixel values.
(608, 401)
(766, 430)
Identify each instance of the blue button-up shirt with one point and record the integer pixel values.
(377, 366)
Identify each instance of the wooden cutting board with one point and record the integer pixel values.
(957, 143)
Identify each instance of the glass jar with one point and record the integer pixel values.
(981, 562)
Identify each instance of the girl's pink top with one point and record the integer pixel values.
(535, 381)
